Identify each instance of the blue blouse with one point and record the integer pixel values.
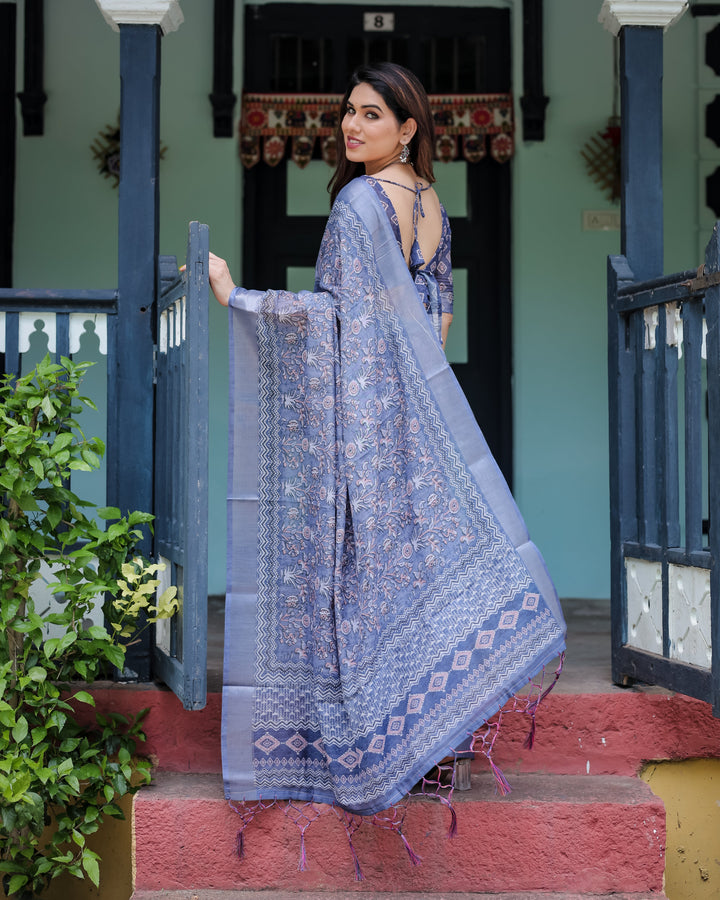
(433, 280)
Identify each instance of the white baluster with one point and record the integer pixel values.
(27, 329)
(650, 315)
(163, 341)
(674, 327)
(178, 322)
(77, 329)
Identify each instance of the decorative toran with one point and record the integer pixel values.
(463, 125)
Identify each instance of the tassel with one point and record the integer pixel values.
(452, 830)
(302, 865)
(358, 871)
(500, 780)
(240, 844)
(530, 739)
(414, 858)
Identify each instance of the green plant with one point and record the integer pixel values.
(58, 779)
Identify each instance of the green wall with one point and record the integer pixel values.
(66, 235)
(66, 212)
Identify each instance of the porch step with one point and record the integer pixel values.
(593, 836)
(613, 732)
(334, 895)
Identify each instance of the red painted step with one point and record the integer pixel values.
(603, 733)
(597, 835)
(347, 895)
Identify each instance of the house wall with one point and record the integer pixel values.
(66, 236)
(690, 790)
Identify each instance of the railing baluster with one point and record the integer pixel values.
(12, 344)
(692, 344)
(667, 436)
(648, 508)
(62, 336)
(161, 525)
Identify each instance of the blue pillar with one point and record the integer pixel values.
(641, 70)
(130, 385)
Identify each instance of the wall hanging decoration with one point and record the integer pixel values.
(106, 150)
(466, 126)
(602, 159)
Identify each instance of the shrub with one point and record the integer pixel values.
(58, 780)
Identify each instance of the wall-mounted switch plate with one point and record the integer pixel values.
(601, 220)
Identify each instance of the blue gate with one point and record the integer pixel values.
(664, 382)
(181, 466)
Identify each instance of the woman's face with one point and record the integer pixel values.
(373, 135)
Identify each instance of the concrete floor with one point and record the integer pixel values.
(587, 660)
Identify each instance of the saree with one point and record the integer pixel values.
(383, 598)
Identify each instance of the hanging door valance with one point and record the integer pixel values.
(470, 120)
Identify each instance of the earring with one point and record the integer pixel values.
(405, 154)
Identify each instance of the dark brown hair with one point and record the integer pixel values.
(405, 97)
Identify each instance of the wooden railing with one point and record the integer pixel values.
(664, 386)
(179, 402)
(63, 314)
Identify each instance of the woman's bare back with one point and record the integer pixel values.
(403, 196)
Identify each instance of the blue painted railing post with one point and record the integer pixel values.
(130, 374)
(623, 513)
(641, 69)
(640, 27)
(130, 387)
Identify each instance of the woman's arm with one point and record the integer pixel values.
(220, 279)
(445, 327)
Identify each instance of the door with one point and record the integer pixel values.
(307, 48)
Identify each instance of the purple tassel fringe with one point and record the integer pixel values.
(414, 858)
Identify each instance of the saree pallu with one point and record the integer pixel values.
(384, 599)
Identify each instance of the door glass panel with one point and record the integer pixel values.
(285, 62)
(301, 64)
(452, 187)
(362, 51)
(307, 193)
(456, 347)
(300, 278)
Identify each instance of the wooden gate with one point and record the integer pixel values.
(181, 466)
(664, 382)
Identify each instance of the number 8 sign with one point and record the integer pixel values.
(378, 21)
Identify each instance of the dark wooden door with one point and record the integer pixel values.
(311, 48)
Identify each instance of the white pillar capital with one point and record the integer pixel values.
(165, 13)
(658, 13)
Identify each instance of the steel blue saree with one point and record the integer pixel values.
(384, 599)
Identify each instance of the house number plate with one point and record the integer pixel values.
(379, 21)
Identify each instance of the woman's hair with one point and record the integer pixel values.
(405, 97)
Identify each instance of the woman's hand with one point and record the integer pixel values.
(220, 279)
(445, 323)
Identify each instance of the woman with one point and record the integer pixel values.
(384, 599)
